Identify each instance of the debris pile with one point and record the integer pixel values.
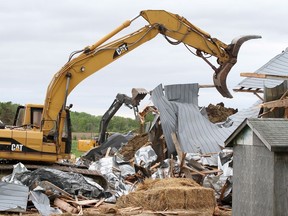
(140, 177)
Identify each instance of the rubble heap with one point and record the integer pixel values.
(140, 179)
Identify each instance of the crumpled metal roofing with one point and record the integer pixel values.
(179, 113)
(13, 197)
(276, 66)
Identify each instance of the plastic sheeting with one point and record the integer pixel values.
(72, 183)
(115, 141)
(145, 156)
(114, 169)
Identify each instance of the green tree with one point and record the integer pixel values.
(84, 122)
(7, 112)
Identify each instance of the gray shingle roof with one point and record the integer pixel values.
(276, 66)
(273, 132)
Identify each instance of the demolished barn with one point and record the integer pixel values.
(179, 113)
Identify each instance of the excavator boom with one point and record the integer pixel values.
(98, 55)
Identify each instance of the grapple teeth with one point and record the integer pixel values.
(219, 80)
(237, 43)
(221, 74)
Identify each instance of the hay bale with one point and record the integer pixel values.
(170, 194)
(166, 183)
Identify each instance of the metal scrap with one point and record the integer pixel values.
(13, 197)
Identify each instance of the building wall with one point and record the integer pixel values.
(253, 176)
(281, 184)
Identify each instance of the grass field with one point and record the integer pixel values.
(74, 149)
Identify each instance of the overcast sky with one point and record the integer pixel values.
(37, 37)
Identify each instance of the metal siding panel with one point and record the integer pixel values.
(167, 116)
(13, 197)
(182, 116)
(276, 66)
(201, 133)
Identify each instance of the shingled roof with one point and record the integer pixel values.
(273, 132)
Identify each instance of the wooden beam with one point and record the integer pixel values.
(281, 102)
(277, 103)
(65, 206)
(255, 93)
(206, 86)
(264, 76)
(180, 154)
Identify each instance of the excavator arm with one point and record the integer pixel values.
(176, 30)
(115, 106)
(132, 102)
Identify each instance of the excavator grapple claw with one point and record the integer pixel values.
(221, 74)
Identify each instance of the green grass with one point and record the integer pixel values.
(74, 149)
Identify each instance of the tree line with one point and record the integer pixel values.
(81, 121)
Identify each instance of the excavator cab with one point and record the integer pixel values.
(24, 139)
(29, 115)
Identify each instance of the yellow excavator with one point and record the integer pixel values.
(43, 132)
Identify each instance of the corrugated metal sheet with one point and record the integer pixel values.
(276, 66)
(235, 120)
(179, 113)
(13, 197)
